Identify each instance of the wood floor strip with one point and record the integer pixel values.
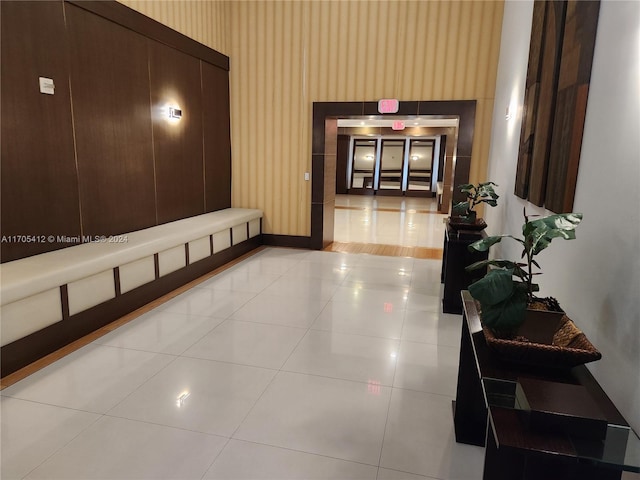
(386, 250)
(87, 339)
(394, 210)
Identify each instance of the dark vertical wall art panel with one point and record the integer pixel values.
(551, 44)
(217, 137)
(177, 143)
(39, 181)
(532, 93)
(110, 84)
(571, 105)
(560, 59)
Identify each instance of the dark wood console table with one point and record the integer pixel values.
(455, 257)
(488, 411)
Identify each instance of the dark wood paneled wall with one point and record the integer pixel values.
(99, 157)
(39, 180)
(177, 145)
(217, 137)
(112, 123)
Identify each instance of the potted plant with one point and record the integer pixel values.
(464, 213)
(507, 290)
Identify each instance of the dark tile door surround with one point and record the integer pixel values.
(323, 156)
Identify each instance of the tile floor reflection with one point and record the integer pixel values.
(404, 221)
(291, 364)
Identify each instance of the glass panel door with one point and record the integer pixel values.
(364, 162)
(391, 163)
(420, 165)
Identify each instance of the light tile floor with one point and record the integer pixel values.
(405, 221)
(290, 365)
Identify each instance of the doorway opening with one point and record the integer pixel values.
(389, 172)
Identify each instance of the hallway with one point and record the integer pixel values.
(290, 364)
(373, 224)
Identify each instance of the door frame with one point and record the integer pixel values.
(323, 152)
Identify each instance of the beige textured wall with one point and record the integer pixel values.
(287, 54)
(202, 20)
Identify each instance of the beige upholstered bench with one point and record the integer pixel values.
(33, 289)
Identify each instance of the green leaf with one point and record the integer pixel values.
(484, 244)
(506, 316)
(466, 187)
(516, 267)
(461, 208)
(486, 190)
(495, 287)
(539, 233)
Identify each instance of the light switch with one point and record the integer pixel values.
(307, 176)
(47, 86)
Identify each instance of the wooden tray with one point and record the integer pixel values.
(457, 224)
(570, 348)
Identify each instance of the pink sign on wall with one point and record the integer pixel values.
(388, 105)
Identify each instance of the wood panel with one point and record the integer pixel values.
(385, 250)
(113, 124)
(552, 49)
(342, 161)
(39, 181)
(177, 143)
(217, 137)
(571, 105)
(532, 92)
(125, 16)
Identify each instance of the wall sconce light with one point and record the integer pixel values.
(175, 113)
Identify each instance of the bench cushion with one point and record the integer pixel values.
(29, 276)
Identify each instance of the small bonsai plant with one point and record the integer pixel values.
(507, 289)
(476, 194)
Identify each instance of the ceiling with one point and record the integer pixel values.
(409, 121)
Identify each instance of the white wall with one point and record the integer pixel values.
(596, 277)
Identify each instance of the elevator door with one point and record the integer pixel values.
(420, 167)
(392, 166)
(364, 166)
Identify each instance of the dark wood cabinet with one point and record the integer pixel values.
(456, 256)
(489, 411)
